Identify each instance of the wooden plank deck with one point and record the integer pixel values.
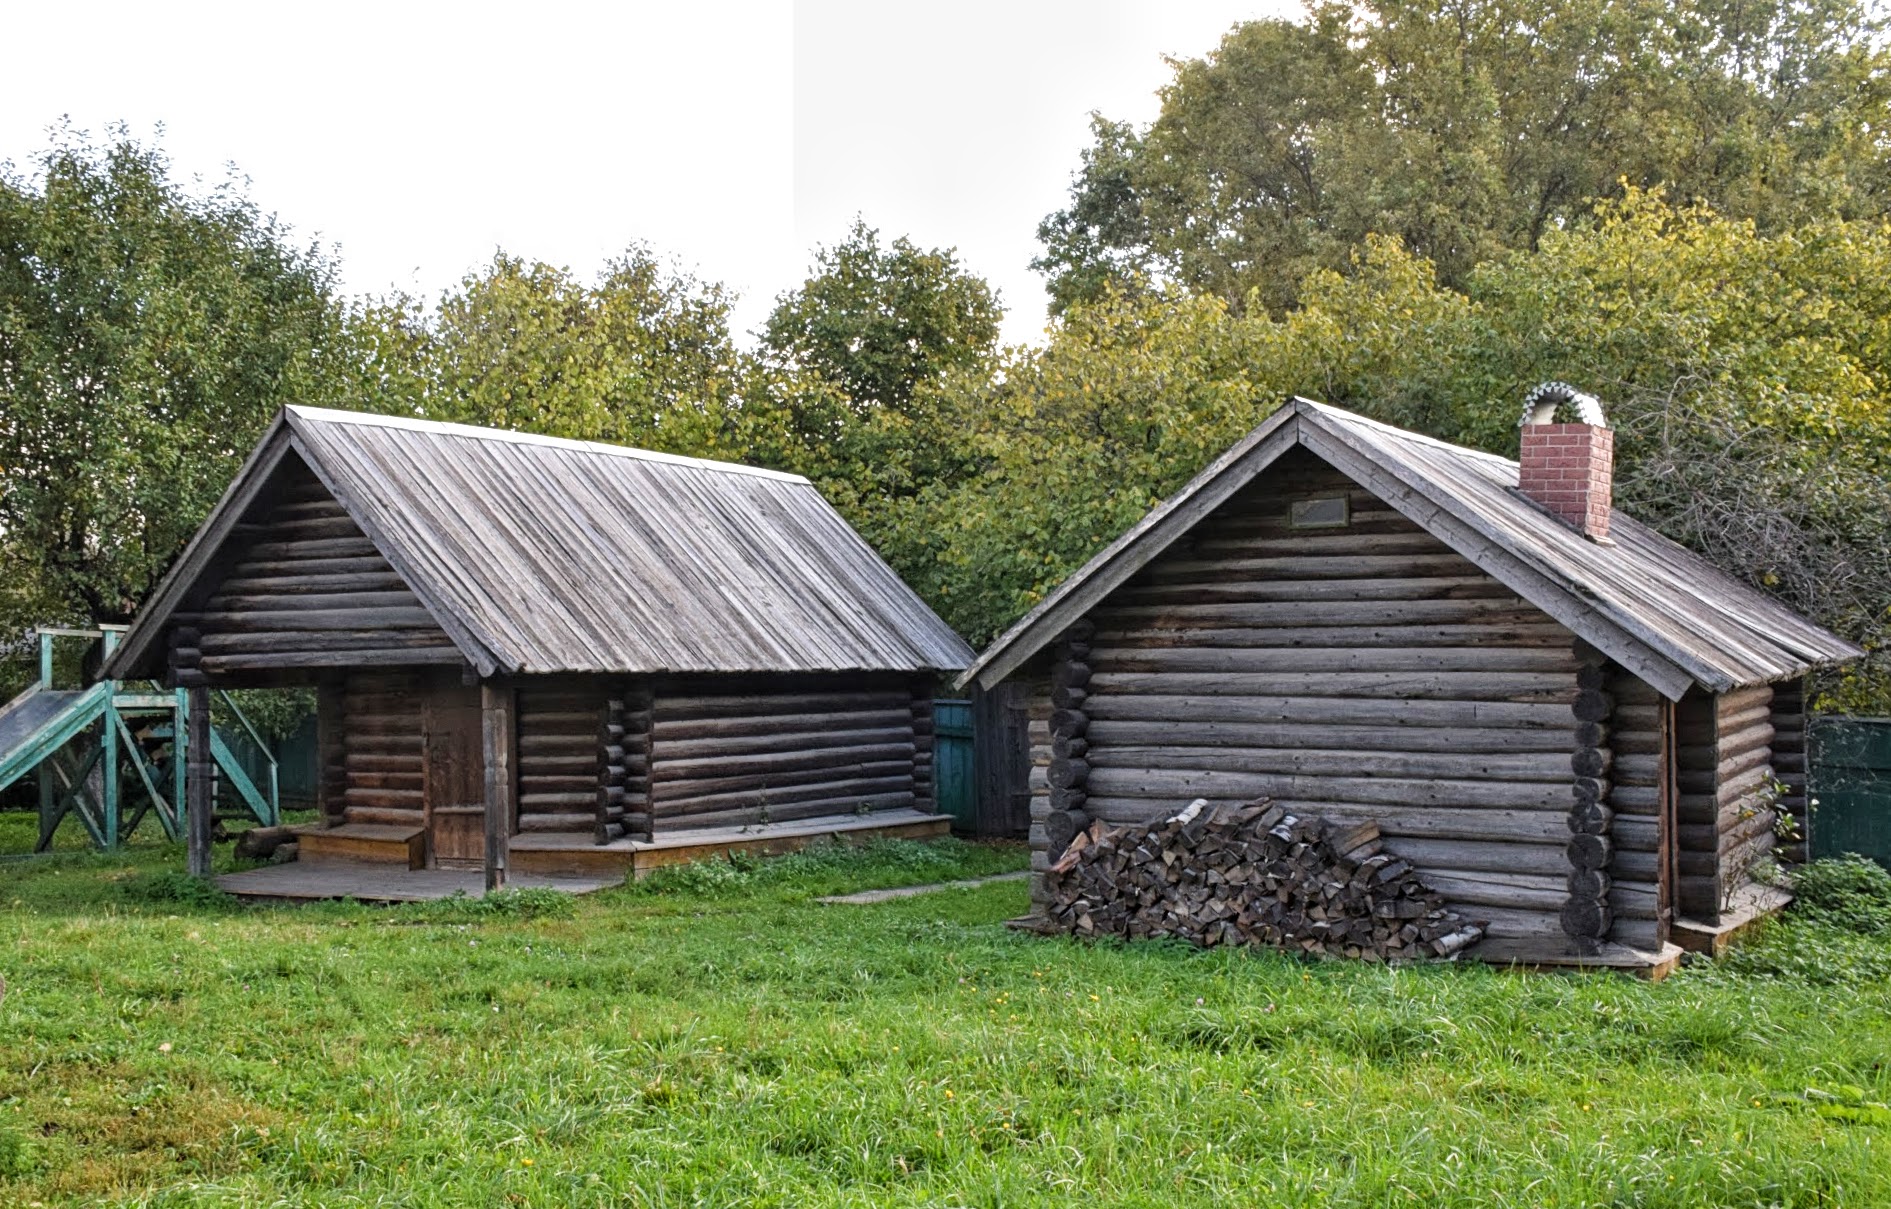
(385, 882)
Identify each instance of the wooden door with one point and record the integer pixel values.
(456, 774)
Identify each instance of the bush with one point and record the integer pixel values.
(1851, 892)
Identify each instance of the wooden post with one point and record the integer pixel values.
(197, 791)
(495, 707)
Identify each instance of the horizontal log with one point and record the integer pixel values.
(561, 722)
(1469, 740)
(1733, 778)
(1533, 687)
(1491, 825)
(384, 799)
(1453, 855)
(1360, 565)
(379, 762)
(315, 620)
(382, 816)
(349, 660)
(293, 528)
(1635, 799)
(664, 792)
(1743, 700)
(248, 642)
(678, 708)
(255, 568)
(385, 580)
(1335, 710)
(1510, 890)
(1269, 660)
(533, 744)
(718, 731)
(576, 820)
(1212, 634)
(779, 812)
(317, 503)
(1185, 784)
(406, 778)
(788, 741)
(1635, 833)
(1218, 542)
(1628, 865)
(1339, 613)
(322, 548)
(670, 768)
(224, 602)
(540, 782)
(1314, 591)
(1636, 768)
(821, 791)
(1542, 767)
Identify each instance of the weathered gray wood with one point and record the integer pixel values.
(496, 725)
(850, 791)
(668, 792)
(1540, 767)
(1311, 591)
(1335, 710)
(1539, 633)
(1366, 660)
(747, 763)
(1195, 733)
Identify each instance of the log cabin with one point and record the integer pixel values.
(553, 655)
(1572, 728)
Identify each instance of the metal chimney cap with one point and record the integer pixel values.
(1539, 406)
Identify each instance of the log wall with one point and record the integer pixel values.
(1724, 809)
(383, 749)
(1364, 672)
(1638, 798)
(557, 752)
(730, 752)
(304, 587)
(1789, 765)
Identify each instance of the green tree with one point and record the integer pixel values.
(1748, 376)
(633, 357)
(878, 323)
(148, 332)
(1471, 128)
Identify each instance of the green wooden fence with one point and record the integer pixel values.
(1851, 784)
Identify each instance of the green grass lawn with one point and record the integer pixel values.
(723, 1040)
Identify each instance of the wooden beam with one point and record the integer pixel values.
(496, 707)
(197, 770)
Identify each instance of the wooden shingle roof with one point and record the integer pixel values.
(1660, 610)
(542, 555)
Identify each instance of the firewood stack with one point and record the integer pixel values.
(1253, 875)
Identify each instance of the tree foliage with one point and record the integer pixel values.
(147, 334)
(878, 323)
(1471, 128)
(1747, 376)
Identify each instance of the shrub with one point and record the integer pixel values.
(1851, 892)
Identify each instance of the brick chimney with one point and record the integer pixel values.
(1568, 468)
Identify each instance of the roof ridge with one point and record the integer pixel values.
(335, 415)
(1406, 434)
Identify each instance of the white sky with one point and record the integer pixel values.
(733, 136)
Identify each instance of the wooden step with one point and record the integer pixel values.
(364, 842)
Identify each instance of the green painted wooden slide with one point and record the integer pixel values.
(79, 741)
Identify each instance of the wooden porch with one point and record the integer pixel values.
(390, 864)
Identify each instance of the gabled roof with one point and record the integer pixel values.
(544, 555)
(1658, 609)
